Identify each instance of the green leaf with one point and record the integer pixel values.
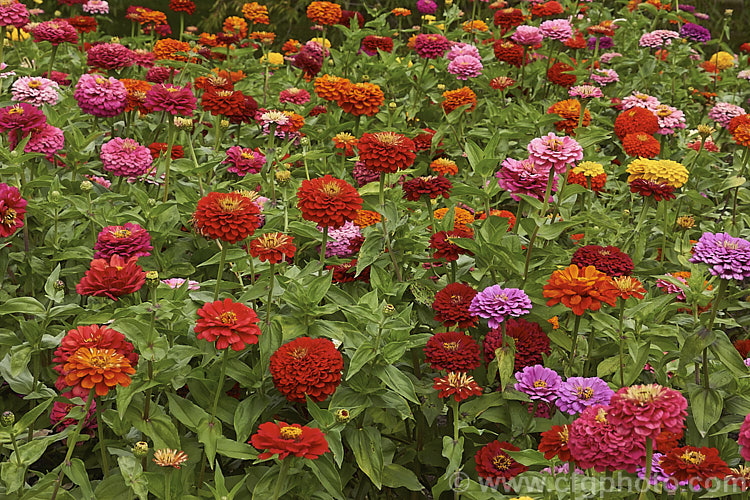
(22, 305)
(325, 472)
(365, 352)
(398, 476)
(12, 476)
(636, 368)
(370, 250)
(132, 474)
(528, 457)
(234, 449)
(729, 356)
(76, 471)
(732, 182)
(398, 382)
(247, 413)
(706, 406)
(323, 417)
(366, 446)
(208, 434)
(505, 358)
(187, 413)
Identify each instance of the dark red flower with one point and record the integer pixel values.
(531, 342)
(508, 52)
(743, 347)
(228, 323)
(452, 351)
(157, 148)
(559, 74)
(576, 42)
(317, 110)
(493, 463)
(431, 186)
(346, 272)
(82, 24)
(348, 15)
(508, 18)
(112, 278)
(229, 217)
(551, 8)
(12, 210)
(650, 188)
(609, 260)
(666, 441)
(423, 141)
(634, 121)
(307, 367)
(386, 152)
(272, 247)
(554, 443)
(245, 112)
(697, 465)
(222, 102)
(186, 6)
(289, 439)
(328, 201)
(444, 246)
(129, 240)
(371, 44)
(452, 303)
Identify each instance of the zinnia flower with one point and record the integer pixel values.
(452, 352)
(101, 369)
(610, 260)
(577, 393)
(588, 174)
(727, 257)
(386, 152)
(629, 287)
(272, 247)
(454, 99)
(493, 463)
(125, 157)
(173, 99)
(496, 304)
(328, 201)
(12, 210)
(307, 367)
(744, 438)
(169, 458)
(431, 45)
(647, 410)
(641, 145)
(289, 439)
(451, 305)
(580, 289)
(459, 385)
(636, 120)
(229, 217)
(128, 240)
(35, 90)
(551, 151)
(228, 323)
(538, 382)
(324, 13)
(530, 340)
(445, 248)
(112, 278)
(13, 13)
(524, 177)
(554, 443)
(697, 465)
(60, 410)
(100, 96)
(465, 67)
(528, 35)
(55, 31)
(429, 187)
(360, 98)
(243, 161)
(109, 56)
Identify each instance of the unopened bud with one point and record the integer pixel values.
(388, 309)
(86, 186)
(224, 124)
(54, 195)
(304, 141)
(365, 78)
(441, 86)
(283, 176)
(182, 122)
(59, 285)
(7, 418)
(152, 278)
(140, 449)
(342, 416)
(392, 106)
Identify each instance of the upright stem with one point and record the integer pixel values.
(519, 214)
(281, 479)
(574, 343)
(168, 159)
(386, 236)
(428, 204)
(222, 260)
(456, 420)
(547, 192)
(51, 59)
(664, 232)
(220, 384)
(323, 246)
(100, 432)
(621, 338)
(649, 458)
(717, 300)
(168, 475)
(2, 45)
(269, 300)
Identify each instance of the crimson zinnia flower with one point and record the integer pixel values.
(647, 410)
(289, 439)
(101, 368)
(229, 217)
(12, 210)
(660, 191)
(554, 442)
(272, 247)
(697, 465)
(452, 351)
(328, 201)
(128, 240)
(493, 463)
(444, 247)
(459, 385)
(222, 102)
(386, 152)
(112, 278)
(531, 342)
(609, 260)
(452, 303)
(432, 186)
(307, 367)
(228, 323)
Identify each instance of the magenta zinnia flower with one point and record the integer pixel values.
(125, 157)
(524, 177)
(12, 210)
(744, 438)
(110, 56)
(294, 96)
(727, 256)
(171, 98)
(538, 382)
(431, 46)
(13, 14)
(35, 90)
(45, 139)
(100, 96)
(343, 240)
(465, 67)
(496, 304)
(578, 393)
(462, 49)
(128, 240)
(242, 161)
(647, 410)
(23, 117)
(56, 31)
(555, 152)
(527, 35)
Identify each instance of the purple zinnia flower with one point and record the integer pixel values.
(578, 393)
(431, 46)
(465, 67)
(551, 151)
(100, 96)
(495, 303)
(729, 257)
(128, 240)
(35, 90)
(527, 35)
(125, 157)
(605, 43)
(426, 6)
(538, 382)
(695, 32)
(723, 112)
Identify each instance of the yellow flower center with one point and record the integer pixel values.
(35, 84)
(10, 216)
(227, 317)
(502, 462)
(298, 353)
(229, 204)
(172, 89)
(584, 393)
(540, 383)
(290, 432)
(601, 416)
(450, 346)
(693, 457)
(15, 110)
(121, 233)
(331, 189)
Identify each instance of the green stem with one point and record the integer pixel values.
(647, 479)
(532, 239)
(519, 214)
(574, 343)
(583, 105)
(717, 300)
(386, 236)
(100, 432)
(168, 159)
(664, 232)
(222, 260)
(547, 192)
(323, 246)
(456, 421)
(2, 45)
(281, 479)
(428, 204)
(51, 59)
(220, 384)
(269, 300)
(15, 446)
(168, 475)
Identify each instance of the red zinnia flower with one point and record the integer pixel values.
(423, 141)
(742, 346)
(610, 260)
(186, 6)
(452, 303)
(112, 278)
(697, 465)
(229, 217)
(444, 247)
(660, 191)
(452, 351)
(371, 44)
(459, 385)
(228, 323)
(554, 442)
(551, 8)
(509, 52)
(222, 102)
(432, 186)
(666, 441)
(629, 287)
(559, 74)
(289, 439)
(307, 367)
(100, 368)
(157, 148)
(386, 152)
(12, 210)
(347, 272)
(272, 247)
(493, 463)
(641, 145)
(328, 201)
(531, 342)
(634, 121)
(508, 18)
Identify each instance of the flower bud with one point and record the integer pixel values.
(140, 449)
(342, 416)
(59, 285)
(182, 122)
(224, 124)
(7, 418)
(152, 278)
(388, 309)
(304, 141)
(686, 221)
(283, 176)
(54, 196)
(86, 186)
(392, 106)
(441, 86)
(365, 78)
(114, 39)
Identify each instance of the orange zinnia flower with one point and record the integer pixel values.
(366, 218)
(628, 286)
(461, 217)
(570, 112)
(235, 25)
(170, 458)
(136, 97)
(272, 247)
(400, 11)
(454, 99)
(255, 13)
(580, 289)
(167, 48)
(444, 166)
(97, 368)
(324, 12)
(331, 88)
(361, 99)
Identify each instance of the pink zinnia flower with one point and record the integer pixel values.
(640, 100)
(178, 282)
(99, 180)
(462, 49)
(128, 240)
(100, 96)
(173, 99)
(145, 59)
(96, 7)
(294, 96)
(431, 46)
(556, 29)
(35, 90)
(242, 161)
(109, 56)
(670, 118)
(647, 410)
(56, 31)
(605, 76)
(555, 152)
(341, 240)
(744, 438)
(607, 57)
(585, 91)
(125, 157)
(524, 177)
(13, 14)
(21, 117)
(723, 112)
(465, 67)
(45, 139)
(527, 35)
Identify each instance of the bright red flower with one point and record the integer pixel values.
(229, 217)
(289, 439)
(228, 323)
(12, 210)
(641, 145)
(508, 18)
(559, 74)
(100, 368)
(452, 303)
(452, 351)
(660, 191)
(509, 52)
(222, 102)
(636, 121)
(157, 148)
(531, 342)
(551, 8)
(697, 465)
(493, 463)
(112, 278)
(554, 443)
(272, 247)
(444, 246)
(307, 367)
(386, 152)
(459, 385)
(328, 201)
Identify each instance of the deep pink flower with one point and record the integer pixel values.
(242, 161)
(551, 151)
(125, 157)
(100, 96)
(45, 139)
(524, 177)
(110, 56)
(56, 31)
(128, 240)
(13, 14)
(12, 210)
(431, 46)
(173, 99)
(744, 438)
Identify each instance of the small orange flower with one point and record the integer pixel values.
(236, 26)
(629, 287)
(580, 289)
(170, 458)
(399, 11)
(554, 322)
(454, 99)
(324, 13)
(97, 368)
(272, 247)
(570, 112)
(474, 26)
(461, 217)
(255, 13)
(291, 46)
(167, 48)
(361, 99)
(209, 40)
(264, 37)
(444, 166)
(345, 141)
(366, 218)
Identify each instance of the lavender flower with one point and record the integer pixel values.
(496, 303)
(727, 256)
(695, 32)
(578, 393)
(538, 382)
